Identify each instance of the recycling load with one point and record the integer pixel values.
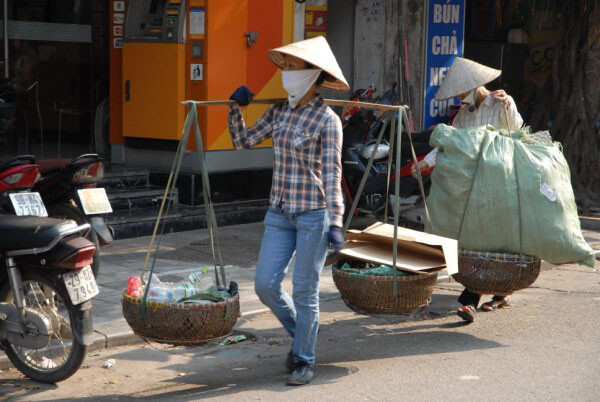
(198, 288)
(362, 268)
(497, 191)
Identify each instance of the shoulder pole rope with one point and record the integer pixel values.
(396, 207)
(170, 188)
(518, 191)
(211, 221)
(419, 175)
(389, 167)
(192, 118)
(364, 178)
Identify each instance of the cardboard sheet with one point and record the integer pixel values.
(380, 253)
(417, 251)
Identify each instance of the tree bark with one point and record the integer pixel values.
(571, 99)
(570, 102)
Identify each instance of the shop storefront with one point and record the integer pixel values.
(547, 51)
(164, 52)
(54, 69)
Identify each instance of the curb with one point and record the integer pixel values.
(589, 223)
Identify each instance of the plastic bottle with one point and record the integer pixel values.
(201, 281)
(194, 283)
(154, 278)
(170, 293)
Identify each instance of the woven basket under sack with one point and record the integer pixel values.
(181, 324)
(496, 273)
(373, 294)
(499, 274)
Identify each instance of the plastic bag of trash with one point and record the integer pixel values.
(198, 287)
(379, 270)
(520, 188)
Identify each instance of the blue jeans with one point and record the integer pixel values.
(306, 234)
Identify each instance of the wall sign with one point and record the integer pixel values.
(119, 6)
(196, 21)
(119, 18)
(315, 21)
(196, 72)
(445, 41)
(118, 21)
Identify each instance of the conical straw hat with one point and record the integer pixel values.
(317, 52)
(463, 76)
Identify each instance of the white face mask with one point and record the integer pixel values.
(469, 100)
(298, 82)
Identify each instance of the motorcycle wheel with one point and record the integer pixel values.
(63, 355)
(67, 211)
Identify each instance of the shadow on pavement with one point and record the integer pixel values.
(254, 366)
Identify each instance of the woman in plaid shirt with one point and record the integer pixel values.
(306, 205)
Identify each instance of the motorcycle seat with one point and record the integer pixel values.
(27, 232)
(50, 165)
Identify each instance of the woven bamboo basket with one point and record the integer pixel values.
(181, 324)
(499, 274)
(372, 294)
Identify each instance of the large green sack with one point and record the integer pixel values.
(544, 199)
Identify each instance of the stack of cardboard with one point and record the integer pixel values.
(418, 252)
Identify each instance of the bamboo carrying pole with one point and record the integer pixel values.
(329, 102)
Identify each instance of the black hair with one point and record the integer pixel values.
(322, 77)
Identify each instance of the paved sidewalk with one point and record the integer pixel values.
(183, 252)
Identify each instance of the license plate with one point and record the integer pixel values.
(28, 204)
(94, 201)
(81, 285)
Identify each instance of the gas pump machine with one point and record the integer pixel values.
(174, 50)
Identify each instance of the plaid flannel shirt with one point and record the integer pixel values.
(307, 146)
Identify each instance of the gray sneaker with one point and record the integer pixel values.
(303, 374)
(289, 363)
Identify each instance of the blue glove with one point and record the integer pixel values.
(242, 96)
(336, 240)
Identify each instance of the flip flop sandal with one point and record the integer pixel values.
(467, 313)
(492, 305)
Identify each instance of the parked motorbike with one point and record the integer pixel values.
(360, 132)
(69, 190)
(46, 283)
(18, 175)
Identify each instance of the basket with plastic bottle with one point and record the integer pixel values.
(188, 312)
(198, 308)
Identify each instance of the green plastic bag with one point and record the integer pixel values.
(521, 193)
(381, 270)
(210, 295)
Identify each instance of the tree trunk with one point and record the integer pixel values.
(571, 98)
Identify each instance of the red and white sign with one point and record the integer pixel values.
(119, 6)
